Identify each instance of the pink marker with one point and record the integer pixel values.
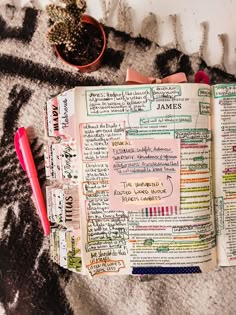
(25, 157)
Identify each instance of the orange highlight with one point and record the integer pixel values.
(185, 172)
(195, 180)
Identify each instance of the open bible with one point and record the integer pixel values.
(142, 178)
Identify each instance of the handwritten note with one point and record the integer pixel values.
(204, 108)
(168, 119)
(92, 187)
(99, 209)
(165, 90)
(95, 137)
(115, 229)
(105, 267)
(106, 245)
(95, 171)
(118, 101)
(144, 172)
(224, 90)
(203, 134)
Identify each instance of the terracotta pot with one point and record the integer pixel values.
(97, 62)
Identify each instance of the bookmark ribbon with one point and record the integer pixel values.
(134, 77)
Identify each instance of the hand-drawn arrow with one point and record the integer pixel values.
(168, 178)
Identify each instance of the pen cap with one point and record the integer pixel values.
(23, 151)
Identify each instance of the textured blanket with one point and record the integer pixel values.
(30, 283)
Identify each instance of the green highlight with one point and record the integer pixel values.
(198, 196)
(189, 208)
(198, 158)
(204, 92)
(190, 202)
(159, 120)
(193, 134)
(137, 132)
(195, 189)
(120, 97)
(199, 166)
(224, 90)
(74, 262)
(204, 108)
(148, 242)
(229, 178)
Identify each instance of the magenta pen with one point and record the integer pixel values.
(25, 157)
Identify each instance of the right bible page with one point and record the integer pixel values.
(224, 155)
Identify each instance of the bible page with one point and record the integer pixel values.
(146, 190)
(224, 134)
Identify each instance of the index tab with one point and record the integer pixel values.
(66, 104)
(52, 117)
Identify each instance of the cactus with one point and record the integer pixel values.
(67, 25)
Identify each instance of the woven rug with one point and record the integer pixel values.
(30, 283)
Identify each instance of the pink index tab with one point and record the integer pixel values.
(66, 114)
(20, 133)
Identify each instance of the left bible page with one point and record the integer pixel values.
(61, 164)
(145, 195)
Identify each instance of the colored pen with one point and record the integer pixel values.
(25, 157)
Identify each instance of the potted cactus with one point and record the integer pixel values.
(78, 39)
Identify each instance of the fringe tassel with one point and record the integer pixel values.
(107, 9)
(149, 27)
(223, 40)
(202, 47)
(173, 19)
(125, 21)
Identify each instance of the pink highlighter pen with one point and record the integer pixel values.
(25, 157)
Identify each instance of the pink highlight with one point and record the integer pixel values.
(155, 211)
(176, 212)
(162, 211)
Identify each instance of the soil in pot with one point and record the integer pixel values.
(88, 49)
